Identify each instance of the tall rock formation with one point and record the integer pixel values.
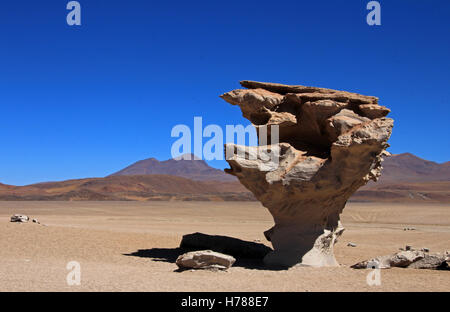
(330, 144)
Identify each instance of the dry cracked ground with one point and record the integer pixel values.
(131, 246)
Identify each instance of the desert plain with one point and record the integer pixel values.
(132, 246)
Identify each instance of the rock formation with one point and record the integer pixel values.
(330, 144)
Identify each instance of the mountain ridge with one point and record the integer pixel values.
(407, 167)
(405, 178)
(188, 166)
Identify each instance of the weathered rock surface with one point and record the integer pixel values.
(19, 218)
(413, 259)
(205, 259)
(330, 144)
(223, 244)
(433, 261)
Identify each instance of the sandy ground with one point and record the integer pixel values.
(102, 237)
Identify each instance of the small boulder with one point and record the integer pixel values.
(19, 218)
(351, 244)
(205, 259)
(405, 258)
(435, 261)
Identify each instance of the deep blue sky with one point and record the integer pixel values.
(89, 100)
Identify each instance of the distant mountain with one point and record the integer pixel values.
(189, 166)
(410, 168)
(137, 187)
(408, 178)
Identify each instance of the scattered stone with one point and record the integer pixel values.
(223, 244)
(20, 218)
(407, 247)
(425, 250)
(403, 259)
(435, 261)
(409, 229)
(36, 221)
(205, 259)
(413, 259)
(351, 244)
(331, 143)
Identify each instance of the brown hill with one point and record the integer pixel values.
(190, 168)
(410, 168)
(408, 178)
(143, 187)
(5, 186)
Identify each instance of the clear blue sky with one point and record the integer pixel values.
(87, 101)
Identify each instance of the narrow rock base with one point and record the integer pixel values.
(300, 247)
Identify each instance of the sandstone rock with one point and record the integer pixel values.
(19, 218)
(405, 258)
(343, 122)
(329, 146)
(223, 244)
(309, 92)
(205, 259)
(434, 261)
(254, 103)
(375, 263)
(413, 259)
(373, 111)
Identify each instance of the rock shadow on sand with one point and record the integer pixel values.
(248, 255)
